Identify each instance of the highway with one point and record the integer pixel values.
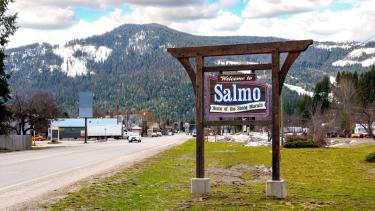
(28, 176)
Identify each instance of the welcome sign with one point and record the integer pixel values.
(236, 96)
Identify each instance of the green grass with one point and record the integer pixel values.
(40, 147)
(328, 179)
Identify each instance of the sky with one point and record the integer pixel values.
(58, 21)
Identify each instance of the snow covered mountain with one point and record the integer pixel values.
(129, 66)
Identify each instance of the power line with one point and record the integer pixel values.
(362, 44)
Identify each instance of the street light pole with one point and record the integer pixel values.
(85, 130)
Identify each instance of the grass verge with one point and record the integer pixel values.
(329, 179)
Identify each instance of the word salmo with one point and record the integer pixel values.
(236, 95)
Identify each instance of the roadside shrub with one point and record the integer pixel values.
(370, 157)
(295, 137)
(301, 144)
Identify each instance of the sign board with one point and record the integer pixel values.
(238, 95)
(85, 104)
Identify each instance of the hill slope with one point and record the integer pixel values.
(130, 67)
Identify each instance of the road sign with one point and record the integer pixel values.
(85, 104)
(238, 95)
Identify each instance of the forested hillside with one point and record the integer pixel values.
(130, 68)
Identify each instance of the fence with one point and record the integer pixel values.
(15, 142)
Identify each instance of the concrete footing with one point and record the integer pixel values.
(276, 188)
(200, 185)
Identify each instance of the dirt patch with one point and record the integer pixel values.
(372, 173)
(240, 174)
(188, 157)
(349, 142)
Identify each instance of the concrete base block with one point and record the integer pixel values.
(276, 188)
(200, 185)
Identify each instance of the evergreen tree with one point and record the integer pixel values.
(7, 28)
(366, 85)
(338, 76)
(304, 104)
(321, 99)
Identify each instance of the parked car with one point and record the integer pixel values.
(134, 137)
(154, 134)
(38, 138)
(194, 133)
(332, 134)
(159, 134)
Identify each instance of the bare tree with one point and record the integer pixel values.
(20, 108)
(365, 116)
(345, 93)
(34, 112)
(345, 97)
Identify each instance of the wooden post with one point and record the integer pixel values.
(275, 115)
(199, 118)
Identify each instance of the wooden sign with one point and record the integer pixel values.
(239, 95)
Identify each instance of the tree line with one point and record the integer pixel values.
(336, 106)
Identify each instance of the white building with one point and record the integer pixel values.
(359, 129)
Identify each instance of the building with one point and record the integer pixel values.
(96, 127)
(360, 130)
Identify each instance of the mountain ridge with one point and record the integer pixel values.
(129, 67)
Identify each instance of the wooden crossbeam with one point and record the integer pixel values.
(238, 67)
(290, 59)
(240, 49)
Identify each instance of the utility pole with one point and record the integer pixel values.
(85, 130)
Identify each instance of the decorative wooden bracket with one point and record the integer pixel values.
(290, 59)
(190, 71)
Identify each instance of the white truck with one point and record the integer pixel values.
(96, 128)
(114, 131)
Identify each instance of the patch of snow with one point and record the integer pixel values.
(299, 90)
(342, 63)
(253, 139)
(353, 56)
(332, 79)
(33, 52)
(368, 62)
(228, 62)
(167, 45)
(360, 51)
(336, 45)
(138, 43)
(75, 66)
(53, 67)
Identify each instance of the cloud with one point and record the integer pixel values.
(42, 15)
(273, 8)
(228, 3)
(167, 15)
(46, 18)
(357, 23)
(81, 29)
(167, 3)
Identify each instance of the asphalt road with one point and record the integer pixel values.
(29, 175)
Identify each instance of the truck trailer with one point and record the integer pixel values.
(96, 128)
